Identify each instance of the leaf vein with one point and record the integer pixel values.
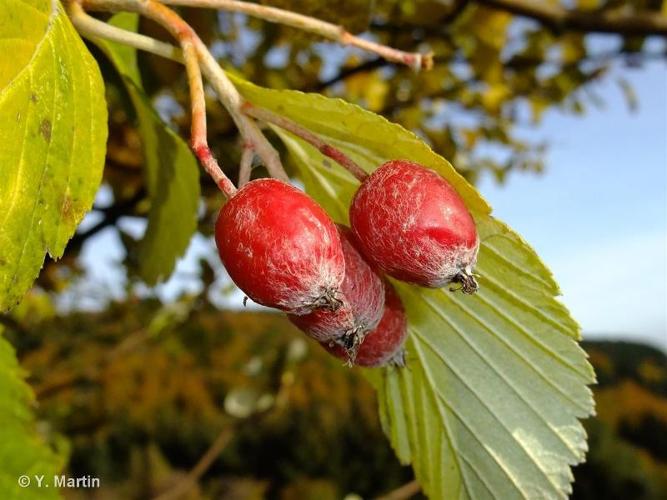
(481, 296)
(445, 427)
(528, 306)
(41, 180)
(72, 149)
(479, 398)
(516, 268)
(507, 382)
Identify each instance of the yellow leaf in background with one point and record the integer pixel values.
(572, 47)
(494, 96)
(588, 4)
(411, 117)
(486, 62)
(490, 26)
(538, 107)
(651, 372)
(376, 93)
(371, 88)
(470, 137)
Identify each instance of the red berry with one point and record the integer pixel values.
(412, 224)
(280, 247)
(362, 302)
(381, 346)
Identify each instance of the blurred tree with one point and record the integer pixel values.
(141, 400)
(500, 65)
(141, 409)
(628, 452)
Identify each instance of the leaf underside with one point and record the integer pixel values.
(53, 136)
(496, 383)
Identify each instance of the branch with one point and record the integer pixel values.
(408, 490)
(371, 65)
(187, 38)
(324, 29)
(454, 13)
(51, 387)
(190, 480)
(111, 216)
(93, 28)
(326, 149)
(601, 21)
(232, 100)
(227, 93)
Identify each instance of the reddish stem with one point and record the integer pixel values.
(326, 149)
(210, 164)
(188, 41)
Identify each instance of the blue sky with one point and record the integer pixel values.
(597, 217)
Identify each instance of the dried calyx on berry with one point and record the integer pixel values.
(383, 345)
(362, 303)
(413, 225)
(281, 248)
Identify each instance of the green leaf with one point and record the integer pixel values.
(172, 173)
(53, 132)
(488, 406)
(23, 451)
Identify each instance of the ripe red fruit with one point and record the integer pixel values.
(412, 224)
(280, 247)
(362, 302)
(384, 344)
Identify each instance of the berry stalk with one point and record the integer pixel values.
(233, 101)
(245, 167)
(326, 149)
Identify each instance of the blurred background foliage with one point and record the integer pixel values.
(497, 72)
(147, 393)
(140, 389)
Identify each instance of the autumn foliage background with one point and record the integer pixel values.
(138, 392)
(137, 389)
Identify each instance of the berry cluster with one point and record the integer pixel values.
(284, 251)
